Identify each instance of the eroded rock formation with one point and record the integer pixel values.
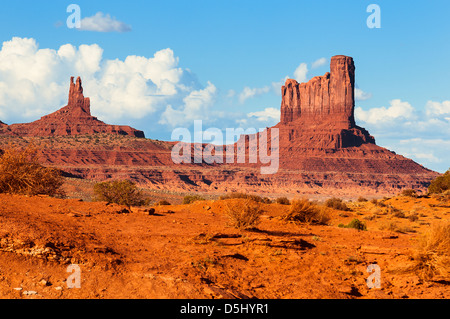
(73, 119)
(320, 113)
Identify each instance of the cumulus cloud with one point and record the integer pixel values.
(438, 108)
(360, 95)
(423, 136)
(248, 93)
(196, 106)
(269, 114)
(301, 72)
(35, 82)
(318, 63)
(397, 110)
(101, 22)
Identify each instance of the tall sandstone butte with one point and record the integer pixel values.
(321, 111)
(73, 119)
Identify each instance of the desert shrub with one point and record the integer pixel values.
(362, 199)
(356, 224)
(20, 173)
(254, 198)
(188, 199)
(432, 254)
(244, 215)
(119, 192)
(440, 184)
(283, 201)
(399, 214)
(409, 193)
(304, 211)
(163, 203)
(336, 203)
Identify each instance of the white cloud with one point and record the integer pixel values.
(318, 63)
(231, 93)
(269, 114)
(300, 73)
(101, 22)
(196, 107)
(436, 108)
(382, 115)
(248, 93)
(35, 82)
(360, 95)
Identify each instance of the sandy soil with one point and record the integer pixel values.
(191, 251)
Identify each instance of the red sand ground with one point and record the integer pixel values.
(190, 251)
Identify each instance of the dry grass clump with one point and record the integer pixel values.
(409, 193)
(189, 199)
(20, 173)
(119, 192)
(432, 255)
(304, 211)
(336, 203)
(163, 202)
(283, 201)
(244, 214)
(254, 198)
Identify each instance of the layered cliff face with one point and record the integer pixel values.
(321, 149)
(73, 119)
(328, 98)
(320, 113)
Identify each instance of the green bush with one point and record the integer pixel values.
(440, 184)
(119, 192)
(188, 199)
(336, 203)
(355, 223)
(362, 199)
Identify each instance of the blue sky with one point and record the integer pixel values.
(225, 61)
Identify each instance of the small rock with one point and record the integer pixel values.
(18, 288)
(44, 282)
(30, 292)
(58, 288)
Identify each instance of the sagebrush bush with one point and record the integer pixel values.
(362, 199)
(440, 184)
(336, 203)
(122, 192)
(20, 173)
(163, 203)
(356, 224)
(304, 211)
(432, 254)
(244, 214)
(188, 199)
